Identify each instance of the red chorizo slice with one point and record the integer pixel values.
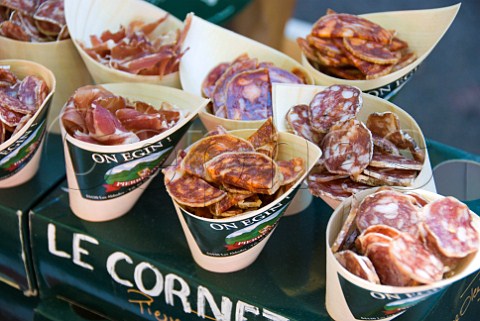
(252, 171)
(397, 44)
(339, 25)
(291, 169)
(369, 69)
(208, 83)
(298, 121)
(228, 202)
(265, 139)
(448, 225)
(381, 160)
(279, 75)
(358, 265)
(412, 258)
(404, 61)
(392, 176)
(334, 104)
(207, 148)
(336, 62)
(248, 95)
(389, 208)
(308, 50)
(348, 72)
(370, 51)
(347, 148)
(325, 46)
(32, 92)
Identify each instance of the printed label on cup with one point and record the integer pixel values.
(365, 304)
(219, 239)
(390, 90)
(19, 153)
(103, 176)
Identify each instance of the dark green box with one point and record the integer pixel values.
(15, 203)
(139, 267)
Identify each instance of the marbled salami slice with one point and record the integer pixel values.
(383, 145)
(32, 92)
(382, 160)
(7, 77)
(386, 230)
(208, 83)
(279, 75)
(320, 174)
(363, 241)
(369, 69)
(334, 104)
(51, 11)
(389, 208)
(392, 176)
(412, 258)
(358, 265)
(14, 31)
(8, 103)
(27, 7)
(332, 189)
(448, 225)
(347, 148)
(249, 95)
(298, 121)
(291, 169)
(354, 187)
(370, 51)
(308, 50)
(348, 228)
(336, 62)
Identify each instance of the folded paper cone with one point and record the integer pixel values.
(421, 29)
(231, 244)
(105, 181)
(93, 17)
(285, 96)
(62, 58)
(20, 154)
(350, 298)
(210, 45)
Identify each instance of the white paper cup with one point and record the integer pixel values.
(106, 181)
(20, 155)
(349, 297)
(422, 29)
(231, 244)
(210, 45)
(285, 96)
(93, 17)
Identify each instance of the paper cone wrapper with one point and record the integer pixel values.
(93, 17)
(349, 297)
(20, 155)
(421, 29)
(210, 45)
(105, 181)
(285, 96)
(231, 244)
(61, 58)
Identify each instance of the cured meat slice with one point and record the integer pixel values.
(32, 92)
(325, 46)
(228, 202)
(7, 77)
(83, 97)
(320, 174)
(265, 139)
(392, 176)
(414, 260)
(448, 225)
(337, 61)
(250, 202)
(252, 171)
(353, 187)
(14, 105)
(334, 104)
(383, 145)
(219, 130)
(350, 72)
(347, 148)
(386, 230)
(389, 208)
(7, 116)
(348, 228)
(419, 200)
(370, 51)
(363, 241)
(29, 26)
(387, 271)
(339, 25)
(27, 7)
(234, 189)
(279, 75)
(209, 147)
(248, 96)
(358, 265)
(72, 120)
(397, 44)
(50, 17)
(14, 31)
(404, 141)
(142, 124)
(382, 124)
(308, 50)
(332, 189)
(208, 83)
(291, 169)
(404, 61)
(298, 121)
(369, 69)
(382, 160)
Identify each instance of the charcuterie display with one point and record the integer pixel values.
(19, 101)
(351, 47)
(33, 21)
(222, 175)
(96, 115)
(392, 238)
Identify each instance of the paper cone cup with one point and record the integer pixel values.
(231, 244)
(349, 297)
(422, 29)
(61, 58)
(93, 17)
(105, 181)
(20, 155)
(210, 45)
(286, 96)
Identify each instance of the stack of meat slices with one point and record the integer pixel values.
(351, 47)
(242, 89)
(356, 156)
(33, 21)
(19, 101)
(135, 50)
(96, 115)
(223, 175)
(399, 239)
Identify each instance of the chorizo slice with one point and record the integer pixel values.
(291, 169)
(265, 139)
(208, 83)
(370, 51)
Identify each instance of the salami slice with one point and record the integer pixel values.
(354, 187)
(358, 265)
(350, 72)
(279, 75)
(326, 47)
(8, 103)
(397, 44)
(369, 69)
(32, 92)
(370, 51)
(51, 11)
(348, 228)
(337, 61)
(265, 139)
(248, 95)
(332, 189)
(412, 258)
(320, 174)
(227, 202)
(208, 83)
(348, 148)
(219, 130)
(298, 121)
(448, 224)
(383, 124)
(392, 176)
(14, 31)
(389, 208)
(334, 104)
(7, 77)
(386, 230)
(308, 50)
(252, 171)
(383, 145)
(382, 160)
(363, 241)
(27, 7)
(404, 61)
(291, 169)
